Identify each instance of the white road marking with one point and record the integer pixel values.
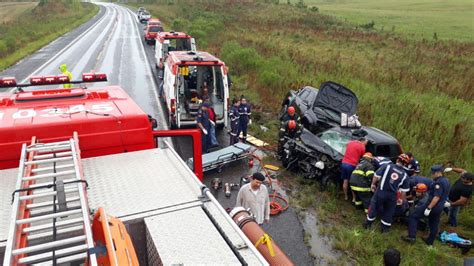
(149, 72)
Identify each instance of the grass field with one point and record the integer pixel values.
(420, 91)
(451, 19)
(11, 10)
(30, 27)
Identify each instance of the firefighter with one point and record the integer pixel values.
(421, 197)
(361, 179)
(438, 195)
(414, 181)
(203, 122)
(290, 115)
(234, 118)
(387, 181)
(244, 118)
(290, 130)
(63, 69)
(413, 167)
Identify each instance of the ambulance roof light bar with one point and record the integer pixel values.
(8, 82)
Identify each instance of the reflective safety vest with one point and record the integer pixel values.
(361, 177)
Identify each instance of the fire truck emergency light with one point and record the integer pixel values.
(91, 77)
(7, 82)
(49, 80)
(52, 80)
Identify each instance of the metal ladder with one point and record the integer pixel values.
(50, 216)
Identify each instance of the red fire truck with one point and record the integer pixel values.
(68, 153)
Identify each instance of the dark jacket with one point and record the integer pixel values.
(361, 177)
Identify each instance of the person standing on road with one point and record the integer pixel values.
(438, 195)
(254, 196)
(212, 128)
(244, 119)
(234, 118)
(387, 181)
(459, 195)
(354, 151)
(63, 69)
(360, 181)
(203, 122)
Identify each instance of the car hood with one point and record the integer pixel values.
(336, 97)
(314, 142)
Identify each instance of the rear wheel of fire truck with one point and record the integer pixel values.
(171, 122)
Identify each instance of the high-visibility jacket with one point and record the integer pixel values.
(361, 177)
(63, 69)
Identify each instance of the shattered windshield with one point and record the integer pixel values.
(336, 140)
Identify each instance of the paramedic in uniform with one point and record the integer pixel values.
(234, 118)
(387, 181)
(438, 195)
(203, 122)
(244, 120)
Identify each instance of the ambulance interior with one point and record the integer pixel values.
(198, 84)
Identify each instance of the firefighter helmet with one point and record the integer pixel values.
(420, 187)
(291, 110)
(292, 124)
(368, 155)
(404, 159)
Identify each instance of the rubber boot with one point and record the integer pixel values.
(367, 224)
(384, 229)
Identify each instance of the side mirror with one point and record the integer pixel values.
(153, 122)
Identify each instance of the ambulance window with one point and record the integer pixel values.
(180, 45)
(154, 29)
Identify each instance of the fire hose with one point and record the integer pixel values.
(276, 207)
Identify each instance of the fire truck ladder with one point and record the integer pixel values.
(50, 215)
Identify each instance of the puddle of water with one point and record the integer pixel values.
(320, 246)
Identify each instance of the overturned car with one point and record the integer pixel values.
(318, 151)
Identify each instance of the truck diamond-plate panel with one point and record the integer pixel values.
(136, 182)
(7, 186)
(188, 237)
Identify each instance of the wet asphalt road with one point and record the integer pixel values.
(112, 42)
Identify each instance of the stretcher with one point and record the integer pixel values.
(217, 159)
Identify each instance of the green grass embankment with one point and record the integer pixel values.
(33, 28)
(419, 91)
(444, 20)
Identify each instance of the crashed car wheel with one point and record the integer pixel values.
(328, 182)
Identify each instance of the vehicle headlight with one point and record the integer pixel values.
(319, 165)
